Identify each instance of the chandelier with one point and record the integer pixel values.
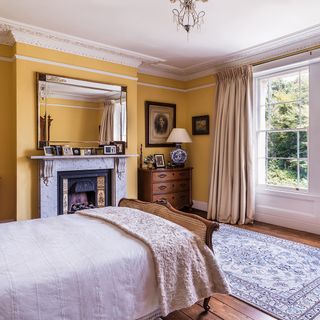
(187, 16)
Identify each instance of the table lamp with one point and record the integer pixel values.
(178, 155)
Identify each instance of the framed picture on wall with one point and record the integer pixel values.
(160, 120)
(200, 125)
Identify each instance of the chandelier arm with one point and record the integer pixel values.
(187, 16)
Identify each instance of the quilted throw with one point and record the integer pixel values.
(185, 267)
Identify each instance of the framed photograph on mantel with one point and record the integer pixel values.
(160, 120)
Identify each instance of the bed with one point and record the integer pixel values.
(136, 261)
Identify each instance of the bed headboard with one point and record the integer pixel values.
(201, 227)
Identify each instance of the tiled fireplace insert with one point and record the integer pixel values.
(83, 189)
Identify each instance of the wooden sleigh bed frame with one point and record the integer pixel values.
(201, 227)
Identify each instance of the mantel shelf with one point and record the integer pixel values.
(82, 157)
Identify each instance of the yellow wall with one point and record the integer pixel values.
(7, 137)
(27, 176)
(201, 102)
(73, 124)
(146, 93)
(193, 101)
(18, 121)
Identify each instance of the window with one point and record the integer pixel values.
(282, 129)
(119, 116)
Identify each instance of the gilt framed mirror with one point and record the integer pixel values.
(80, 113)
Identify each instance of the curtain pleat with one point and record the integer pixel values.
(231, 197)
(107, 123)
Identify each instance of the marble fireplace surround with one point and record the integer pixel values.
(49, 166)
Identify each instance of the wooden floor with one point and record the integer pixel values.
(230, 308)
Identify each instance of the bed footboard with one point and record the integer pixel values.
(201, 227)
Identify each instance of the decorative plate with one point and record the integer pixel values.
(178, 156)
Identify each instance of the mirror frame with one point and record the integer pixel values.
(51, 78)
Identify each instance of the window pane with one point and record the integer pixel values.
(303, 144)
(285, 88)
(303, 169)
(284, 116)
(282, 144)
(283, 110)
(282, 173)
(304, 111)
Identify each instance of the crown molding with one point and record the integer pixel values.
(297, 41)
(12, 32)
(163, 70)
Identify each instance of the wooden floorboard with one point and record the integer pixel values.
(197, 312)
(242, 307)
(225, 307)
(285, 233)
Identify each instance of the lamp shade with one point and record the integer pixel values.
(179, 135)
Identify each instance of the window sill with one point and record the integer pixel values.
(287, 193)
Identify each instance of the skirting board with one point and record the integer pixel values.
(282, 219)
(200, 205)
(287, 221)
(8, 220)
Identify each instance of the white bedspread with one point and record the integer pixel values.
(74, 267)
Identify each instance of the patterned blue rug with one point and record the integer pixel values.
(278, 276)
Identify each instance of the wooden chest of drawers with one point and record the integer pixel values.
(173, 185)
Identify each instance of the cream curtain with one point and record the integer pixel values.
(107, 123)
(231, 198)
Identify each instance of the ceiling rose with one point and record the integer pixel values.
(187, 16)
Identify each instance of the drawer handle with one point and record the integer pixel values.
(162, 187)
(162, 175)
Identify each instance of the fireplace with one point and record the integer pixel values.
(85, 189)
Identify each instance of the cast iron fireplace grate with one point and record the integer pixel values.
(85, 189)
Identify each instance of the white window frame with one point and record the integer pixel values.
(314, 127)
(261, 176)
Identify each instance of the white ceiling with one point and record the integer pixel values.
(146, 26)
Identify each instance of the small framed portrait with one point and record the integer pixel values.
(99, 151)
(121, 147)
(200, 125)
(76, 151)
(48, 151)
(159, 161)
(87, 151)
(58, 150)
(110, 149)
(67, 151)
(160, 120)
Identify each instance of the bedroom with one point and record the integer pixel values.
(157, 64)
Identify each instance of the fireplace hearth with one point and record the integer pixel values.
(84, 189)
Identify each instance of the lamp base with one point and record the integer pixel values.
(178, 156)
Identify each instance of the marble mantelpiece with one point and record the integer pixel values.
(49, 166)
